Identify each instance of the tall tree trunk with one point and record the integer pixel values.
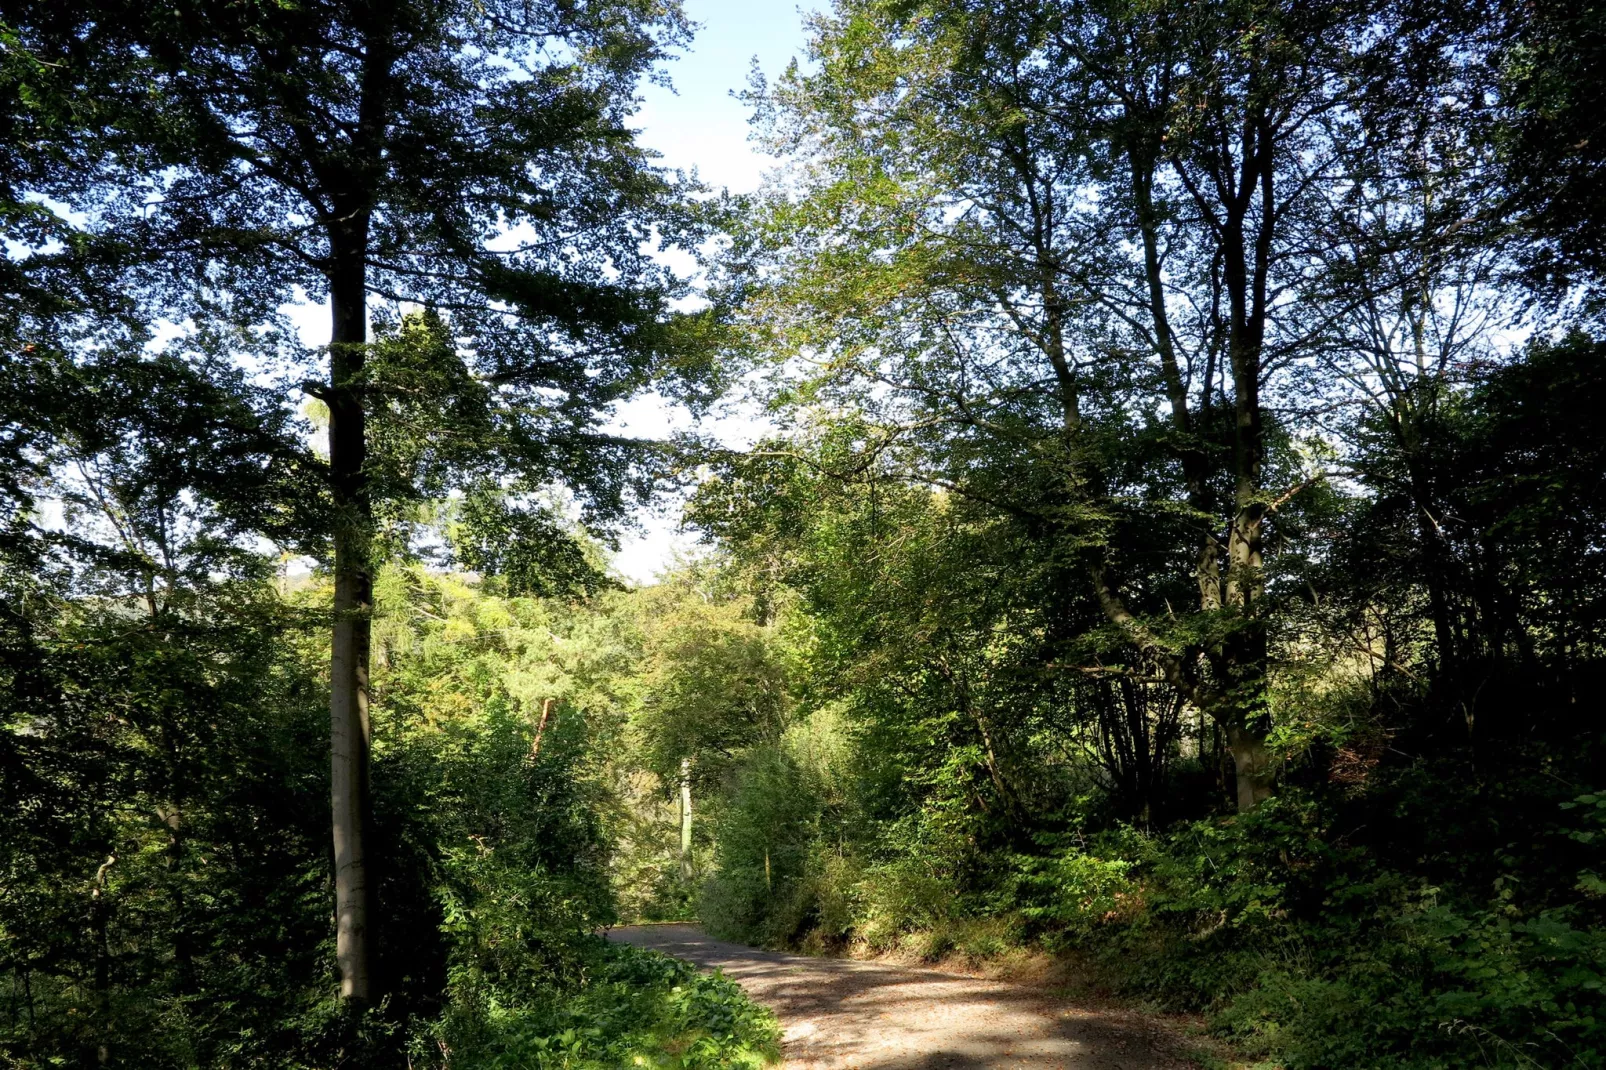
(1242, 658)
(1238, 704)
(353, 609)
(172, 816)
(685, 819)
(1252, 762)
(1244, 654)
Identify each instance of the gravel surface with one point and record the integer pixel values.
(840, 1014)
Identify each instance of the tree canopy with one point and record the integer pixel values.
(1175, 552)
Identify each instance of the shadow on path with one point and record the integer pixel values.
(840, 1014)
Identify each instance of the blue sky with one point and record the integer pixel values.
(700, 125)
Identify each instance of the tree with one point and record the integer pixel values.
(713, 678)
(156, 718)
(1546, 55)
(1036, 245)
(471, 160)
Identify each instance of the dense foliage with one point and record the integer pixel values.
(232, 622)
(960, 772)
(1182, 544)
(166, 892)
(1180, 550)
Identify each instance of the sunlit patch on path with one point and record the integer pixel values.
(839, 1014)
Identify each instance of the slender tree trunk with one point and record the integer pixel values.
(350, 735)
(1246, 260)
(1240, 703)
(1435, 556)
(540, 728)
(685, 819)
(100, 910)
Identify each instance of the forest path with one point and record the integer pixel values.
(842, 1014)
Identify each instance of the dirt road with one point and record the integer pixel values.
(840, 1014)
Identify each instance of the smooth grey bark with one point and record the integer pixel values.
(351, 198)
(349, 728)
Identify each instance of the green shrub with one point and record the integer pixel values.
(635, 1008)
(905, 896)
(837, 893)
(1070, 892)
(1311, 952)
(1296, 939)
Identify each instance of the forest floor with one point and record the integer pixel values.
(846, 1014)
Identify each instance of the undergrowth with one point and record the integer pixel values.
(636, 1008)
(1304, 942)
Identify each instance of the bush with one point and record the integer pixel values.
(1311, 952)
(1070, 892)
(1287, 929)
(636, 1008)
(905, 896)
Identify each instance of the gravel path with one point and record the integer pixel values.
(840, 1014)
